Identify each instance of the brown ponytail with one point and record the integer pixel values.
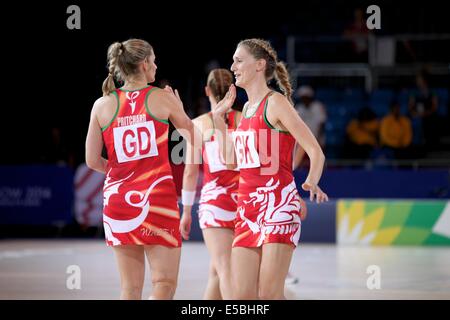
(114, 51)
(123, 61)
(219, 81)
(283, 81)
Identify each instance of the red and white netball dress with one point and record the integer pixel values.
(269, 205)
(139, 197)
(218, 198)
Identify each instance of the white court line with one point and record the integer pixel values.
(18, 254)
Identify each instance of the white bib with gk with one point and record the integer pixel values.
(245, 147)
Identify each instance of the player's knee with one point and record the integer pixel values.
(223, 266)
(213, 274)
(165, 286)
(212, 270)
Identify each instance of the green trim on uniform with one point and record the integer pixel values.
(115, 114)
(135, 89)
(267, 121)
(166, 121)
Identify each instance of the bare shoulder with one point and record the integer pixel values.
(281, 103)
(202, 118)
(279, 98)
(104, 103)
(161, 103)
(162, 96)
(203, 122)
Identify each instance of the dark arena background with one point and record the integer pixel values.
(384, 234)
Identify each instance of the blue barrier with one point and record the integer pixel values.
(320, 223)
(35, 195)
(43, 195)
(380, 183)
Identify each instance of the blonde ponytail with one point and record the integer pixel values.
(283, 81)
(114, 51)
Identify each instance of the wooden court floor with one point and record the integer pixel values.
(37, 269)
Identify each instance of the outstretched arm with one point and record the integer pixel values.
(192, 134)
(172, 101)
(284, 113)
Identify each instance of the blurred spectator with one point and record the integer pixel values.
(424, 105)
(362, 134)
(357, 32)
(396, 132)
(314, 114)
